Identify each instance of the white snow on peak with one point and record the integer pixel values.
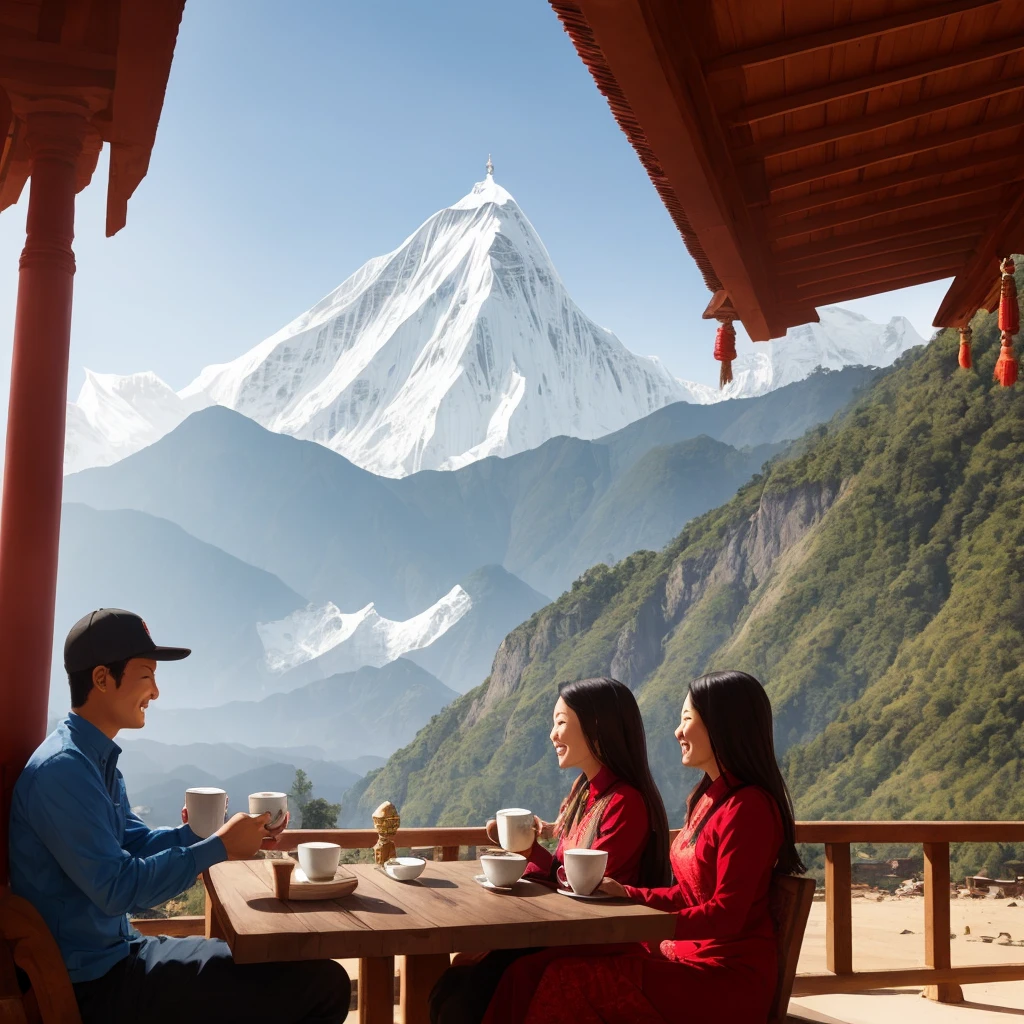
(344, 642)
(460, 344)
(841, 338)
(486, 191)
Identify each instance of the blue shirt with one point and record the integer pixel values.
(83, 859)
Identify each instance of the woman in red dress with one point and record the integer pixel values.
(722, 964)
(613, 805)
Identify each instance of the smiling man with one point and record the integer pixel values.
(85, 861)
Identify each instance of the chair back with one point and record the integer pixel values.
(790, 900)
(26, 942)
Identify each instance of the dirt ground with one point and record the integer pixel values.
(890, 934)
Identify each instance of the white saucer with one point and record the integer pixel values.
(580, 896)
(482, 881)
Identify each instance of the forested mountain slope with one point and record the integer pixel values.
(873, 579)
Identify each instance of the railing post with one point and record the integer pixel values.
(936, 920)
(446, 853)
(839, 908)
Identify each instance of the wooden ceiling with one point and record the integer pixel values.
(109, 57)
(815, 151)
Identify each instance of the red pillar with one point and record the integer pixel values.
(33, 471)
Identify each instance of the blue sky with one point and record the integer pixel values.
(300, 139)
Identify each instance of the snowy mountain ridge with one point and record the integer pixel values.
(460, 344)
(345, 642)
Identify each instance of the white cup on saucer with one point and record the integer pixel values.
(275, 803)
(319, 861)
(503, 869)
(207, 807)
(584, 869)
(515, 829)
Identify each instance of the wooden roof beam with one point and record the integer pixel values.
(918, 272)
(976, 215)
(976, 286)
(936, 236)
(888, 256)
(864, 187)
(878, 267)
(852, 33)
(897, 204)
(877, 288)
(878, 80)
(896, 151)
(646, 45)
(837, 131)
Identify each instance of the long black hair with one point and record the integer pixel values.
(611, 722)
(737, 714)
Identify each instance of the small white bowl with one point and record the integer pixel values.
(503, 869)
(405, 869)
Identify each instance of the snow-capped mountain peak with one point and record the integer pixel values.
(460, 344)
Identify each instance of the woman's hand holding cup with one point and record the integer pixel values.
(611, 888)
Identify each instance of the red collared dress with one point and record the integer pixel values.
(622, 831)
(721, 965)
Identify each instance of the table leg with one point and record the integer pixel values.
(377, 990)
(419, 975)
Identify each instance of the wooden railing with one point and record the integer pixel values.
(942, 981)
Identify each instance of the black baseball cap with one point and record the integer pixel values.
(112, 634)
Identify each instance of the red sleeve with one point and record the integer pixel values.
(539, 863)
(746, 834)
(670, 898)
(623, 832)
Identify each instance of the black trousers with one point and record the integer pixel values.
(195, 981)
(463, 993)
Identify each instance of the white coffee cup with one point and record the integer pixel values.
(503, 869)
(207, 807)
(275, 803)
(319, 861)
(515, 829)
(584, 869)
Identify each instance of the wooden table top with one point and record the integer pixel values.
(443, 911)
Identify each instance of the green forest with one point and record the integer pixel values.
(872, 577)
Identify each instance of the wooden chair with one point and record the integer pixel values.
(25, 941)
(790, 900)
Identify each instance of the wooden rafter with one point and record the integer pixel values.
(923, 197)
(888, 256)
(897, 150)
(879, 269)
(792, 142)
(863, 188)
(847, 88)
(883, 283)
(833, 37)
(895, 230)
(944, 235)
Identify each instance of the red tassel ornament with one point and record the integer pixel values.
(725, 351)
(965, 348)
(1009, 324)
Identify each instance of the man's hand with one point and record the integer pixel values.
(242, 835)
(611, 888)
(270, 839)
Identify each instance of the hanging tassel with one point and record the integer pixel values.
(725, 351)
(1009, 324)
(965, 348)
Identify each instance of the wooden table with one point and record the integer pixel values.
(442, 912)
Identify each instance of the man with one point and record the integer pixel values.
(85, 861)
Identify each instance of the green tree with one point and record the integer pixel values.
(319, 813)
(301, 794)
